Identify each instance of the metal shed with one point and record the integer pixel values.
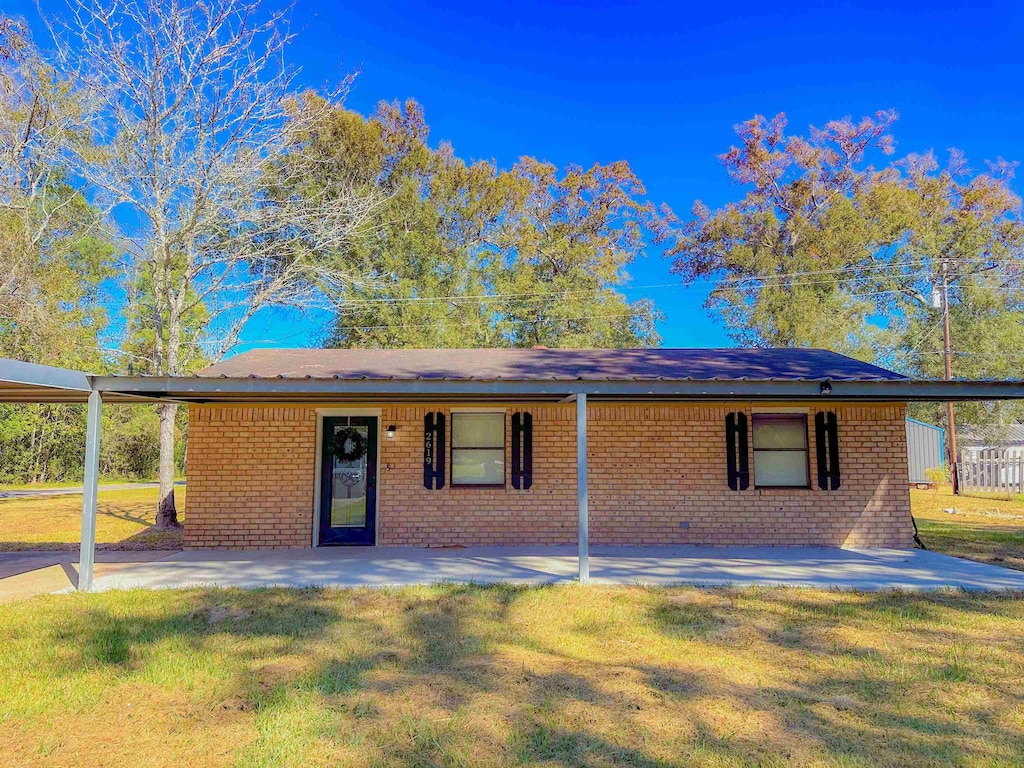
(926, 448)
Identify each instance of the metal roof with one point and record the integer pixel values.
(1008, 434)
(541, 364)
(283, 390)
(33, 383)
(648, 375)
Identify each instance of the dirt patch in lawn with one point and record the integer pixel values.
(156, 726)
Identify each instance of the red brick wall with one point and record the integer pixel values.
(657, 476)
(250, 477)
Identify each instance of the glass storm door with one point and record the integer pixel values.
(348, 480)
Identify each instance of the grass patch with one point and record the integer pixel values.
(513, 676)
(124, 520)
(987, 529)
(348, 512)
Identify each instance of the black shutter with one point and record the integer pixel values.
(522, 451)
(433, 451)
(737, 461)
(826, 439)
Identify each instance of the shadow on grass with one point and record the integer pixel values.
(412, 673)
(148, 538)
(538, 743)
(997, 544)
(104, 636)
(843, 713)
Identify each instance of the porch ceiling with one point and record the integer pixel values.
(290, 390)
(32, 383)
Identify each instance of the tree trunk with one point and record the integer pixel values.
(166, 512)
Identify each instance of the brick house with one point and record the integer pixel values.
(441, 448)
(498, 467)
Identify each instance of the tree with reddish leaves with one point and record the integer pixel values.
(822, 248)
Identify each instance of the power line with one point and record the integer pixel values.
(999, 355)
(497, 322)
(772, 280)
(908, 354)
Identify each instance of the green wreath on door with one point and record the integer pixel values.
(348, 444)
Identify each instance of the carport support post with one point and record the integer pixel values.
(87, 551)
(581, 487)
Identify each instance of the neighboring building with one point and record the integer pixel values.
(926, 449)
(996, 455)
(1002, 441)
(500, 468)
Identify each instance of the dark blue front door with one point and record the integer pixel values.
(348, 480)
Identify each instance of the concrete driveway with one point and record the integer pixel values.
(874, 569)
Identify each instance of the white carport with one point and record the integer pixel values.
(32, 383)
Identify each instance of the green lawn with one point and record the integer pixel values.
(509, 676)
(124, 520)
(987, 529)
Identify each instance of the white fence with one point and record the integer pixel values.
(991, 471)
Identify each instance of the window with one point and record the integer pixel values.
(780, 450)
(478, 449)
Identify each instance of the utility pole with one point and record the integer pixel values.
(947, 353)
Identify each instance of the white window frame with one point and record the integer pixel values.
(503, 413)
(776, 413)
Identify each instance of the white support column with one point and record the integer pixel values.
(581, 487)
(87, 550)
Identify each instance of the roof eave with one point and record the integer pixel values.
(32, 382)
(34, 374)
(256, 389)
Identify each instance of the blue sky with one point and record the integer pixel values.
(662, 84)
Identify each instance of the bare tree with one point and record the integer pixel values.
(194, 115)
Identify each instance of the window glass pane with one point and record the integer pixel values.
(348, 488)
(478, 430)
(478, 466)
(780, 468)
(778, 431)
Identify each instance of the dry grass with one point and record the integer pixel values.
(987, 529)
(511, 676)
(124, 521)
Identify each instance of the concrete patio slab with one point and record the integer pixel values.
(874, 569)
(30, 573)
